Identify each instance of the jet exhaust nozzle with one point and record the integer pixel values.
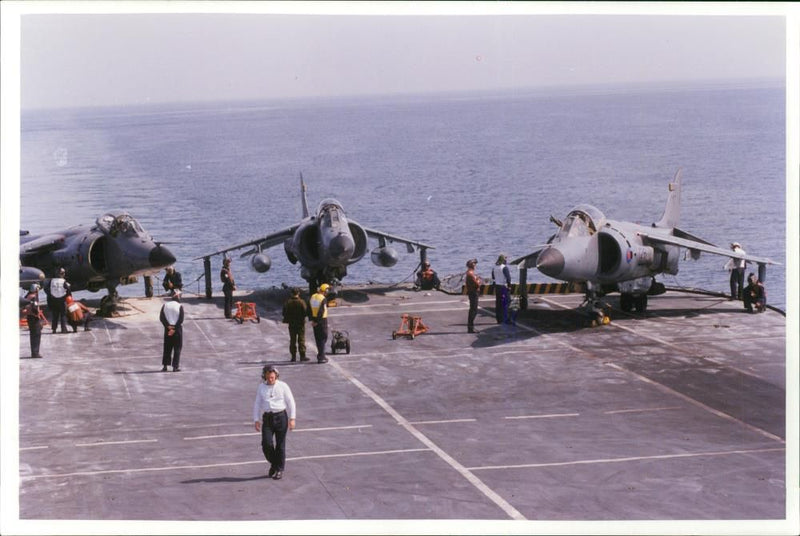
(260, 263)
(550, 262)
(161, 257)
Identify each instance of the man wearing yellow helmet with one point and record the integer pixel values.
(318, 314)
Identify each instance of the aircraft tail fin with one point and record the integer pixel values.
(303, 196)
(672, 212)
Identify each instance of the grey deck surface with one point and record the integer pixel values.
(676, 416)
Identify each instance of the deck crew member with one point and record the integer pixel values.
(318, 314)
(34, 319)
(754, 295)
(294, 314)
(274, 414)
(77, 313)
(501, 279)
(736, 267)
(473, 284)
(172, 280)
(172, 319)
(427, 278)
(228, 285)
(59, 287)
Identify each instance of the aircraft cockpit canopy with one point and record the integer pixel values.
(583, 220)
(119, 224)
(326, 210)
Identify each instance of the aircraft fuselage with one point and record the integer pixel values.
(112, 252)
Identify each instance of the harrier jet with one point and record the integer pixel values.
(608, 255)
(324, 244)
(113, 251)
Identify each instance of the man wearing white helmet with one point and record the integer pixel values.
(318, 314)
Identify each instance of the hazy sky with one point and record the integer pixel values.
(111, 59)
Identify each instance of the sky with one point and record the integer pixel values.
(74, 59)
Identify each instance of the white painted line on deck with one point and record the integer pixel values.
(34, 448)
(551, 416)
(668, 389)
(211, 344)
(442, 422)
(699, 404)
(628, 459)
(103, 443)
(641, 410)
(420, 310)
(214, 465)
(295, 431)
(471, 478)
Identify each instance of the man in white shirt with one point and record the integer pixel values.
(172, 319)
(737, 268)
(501, 279)
(56, 300)
(274, 413)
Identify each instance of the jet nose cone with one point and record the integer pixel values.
(341, 247)
(161, 257)
(550, 262)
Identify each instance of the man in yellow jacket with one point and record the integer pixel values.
(318, 314)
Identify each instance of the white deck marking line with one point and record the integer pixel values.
(641, 410)
(402, 303)
(463, 471)
(699, 404)
(102, 443)
(332, 428)
(442, 422)
(421, 311)
(677, 347)
(673, 391)
(628, 459)
(34, 448)
(211, 344)
(551, 416)
(215, 465)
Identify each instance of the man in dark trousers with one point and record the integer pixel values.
(33, 317)
(57, 295)
(172, 319)
(228, 285)
(294, 314)
(318, 313)
(473, 284)
(274, 414)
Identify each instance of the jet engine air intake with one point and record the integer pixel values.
(97, 255)
(610, 255)
(306, 244)
(360, 239)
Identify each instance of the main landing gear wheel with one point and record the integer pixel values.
(628, 302)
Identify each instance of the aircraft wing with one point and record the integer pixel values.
(257, 244)
(41, 244)
(392, 238)
(530, 259)
(703, 246)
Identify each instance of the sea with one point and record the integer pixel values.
(473, 174)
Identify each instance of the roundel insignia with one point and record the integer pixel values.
(629, 256)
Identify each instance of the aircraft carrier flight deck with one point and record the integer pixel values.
(675, 415)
